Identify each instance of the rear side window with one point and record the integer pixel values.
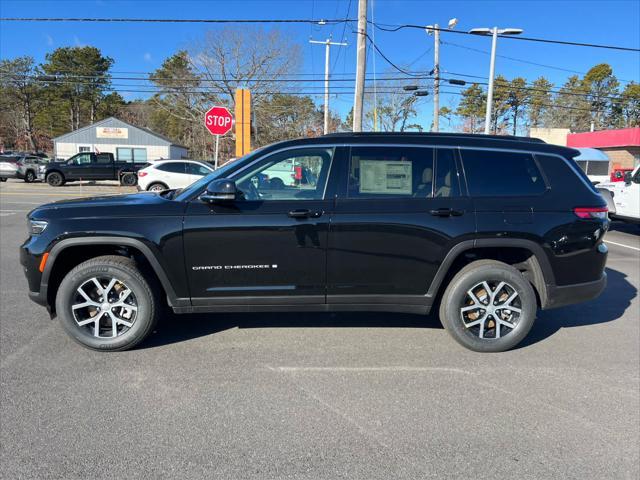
(383, 172)
(491, 173)
(173, 167)
(103, 158)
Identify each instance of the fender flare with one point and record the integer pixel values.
(107, 240)
(546, 271)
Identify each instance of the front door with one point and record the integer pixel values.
(80, 166)
(399, 211)
(267, 247)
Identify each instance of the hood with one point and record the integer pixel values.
(142, 204)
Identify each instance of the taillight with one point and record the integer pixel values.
(142, 174)
(591, 212)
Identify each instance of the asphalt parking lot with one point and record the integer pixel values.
(371, 396)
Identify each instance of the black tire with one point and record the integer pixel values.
(109, 266)
(3, 179)
(29, 176)
(457, 295)
(157, 187)
(128, 179)
(55, 179)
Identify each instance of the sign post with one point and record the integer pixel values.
(218, 121)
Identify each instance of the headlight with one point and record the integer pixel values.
(36, 227)
(42, 168)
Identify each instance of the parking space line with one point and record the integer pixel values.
(622, 245)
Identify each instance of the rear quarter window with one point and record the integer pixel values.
(564, 174)
(493, 173)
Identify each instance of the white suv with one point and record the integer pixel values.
(170, 174)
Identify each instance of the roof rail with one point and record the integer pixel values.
(436, 135)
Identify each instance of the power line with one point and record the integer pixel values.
(524, 61)
(171, 20)
(395, 28)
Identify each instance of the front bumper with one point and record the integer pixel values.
(560, 296)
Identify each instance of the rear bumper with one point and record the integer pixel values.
(560, 296)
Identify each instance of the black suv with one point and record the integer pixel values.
(489, 228)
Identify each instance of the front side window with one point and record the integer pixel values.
(200, 170)
(81, 159)
(383, 172)
(291, 175)
(492, 173)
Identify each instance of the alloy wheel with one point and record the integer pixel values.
(105, 307)
(491, 310)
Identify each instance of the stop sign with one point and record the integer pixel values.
(218, 120)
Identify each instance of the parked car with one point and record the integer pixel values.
(489, 228)
(623, 198)
(617, 175)
(171, 174)
(90, 166)
(29, 167)
(8, 167)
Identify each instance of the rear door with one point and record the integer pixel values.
(398, 212)
(103, 168)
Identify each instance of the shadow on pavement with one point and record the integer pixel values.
(608, 307)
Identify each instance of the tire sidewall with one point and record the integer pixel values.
(66, 295)
(128, 179)
(54, 175)
(29, 177)
(157, 184)
(454, 295)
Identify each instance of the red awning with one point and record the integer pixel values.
(625, 137)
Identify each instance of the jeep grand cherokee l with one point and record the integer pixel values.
(488, 228)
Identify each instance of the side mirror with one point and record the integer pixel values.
(220, 190)
(627, 178)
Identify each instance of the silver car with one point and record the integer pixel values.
(8, 167)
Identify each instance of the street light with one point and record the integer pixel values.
(494, 32)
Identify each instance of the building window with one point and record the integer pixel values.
(82, 149)
(135, 155)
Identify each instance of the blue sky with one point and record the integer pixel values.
(142, 47)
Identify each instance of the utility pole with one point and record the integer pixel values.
(327, 44)
(436, 78)
(494, 32)
(435, 30)
(358, 99)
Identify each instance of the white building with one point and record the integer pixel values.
(127, 142)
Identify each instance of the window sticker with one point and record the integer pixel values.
(385, 177)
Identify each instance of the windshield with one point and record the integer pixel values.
(221, 172)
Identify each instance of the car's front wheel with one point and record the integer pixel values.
(107, 304)
(488, 306)
(3, 179)
(55, 179)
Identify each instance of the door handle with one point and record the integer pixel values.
(305, 213)
(446, 212)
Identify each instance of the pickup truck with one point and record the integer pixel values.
(90, 166)
(623, 198)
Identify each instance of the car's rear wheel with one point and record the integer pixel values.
(30, 176)
(157, 187)
(107, 304)
(128, 179)
(488, 306)
(55, 179)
